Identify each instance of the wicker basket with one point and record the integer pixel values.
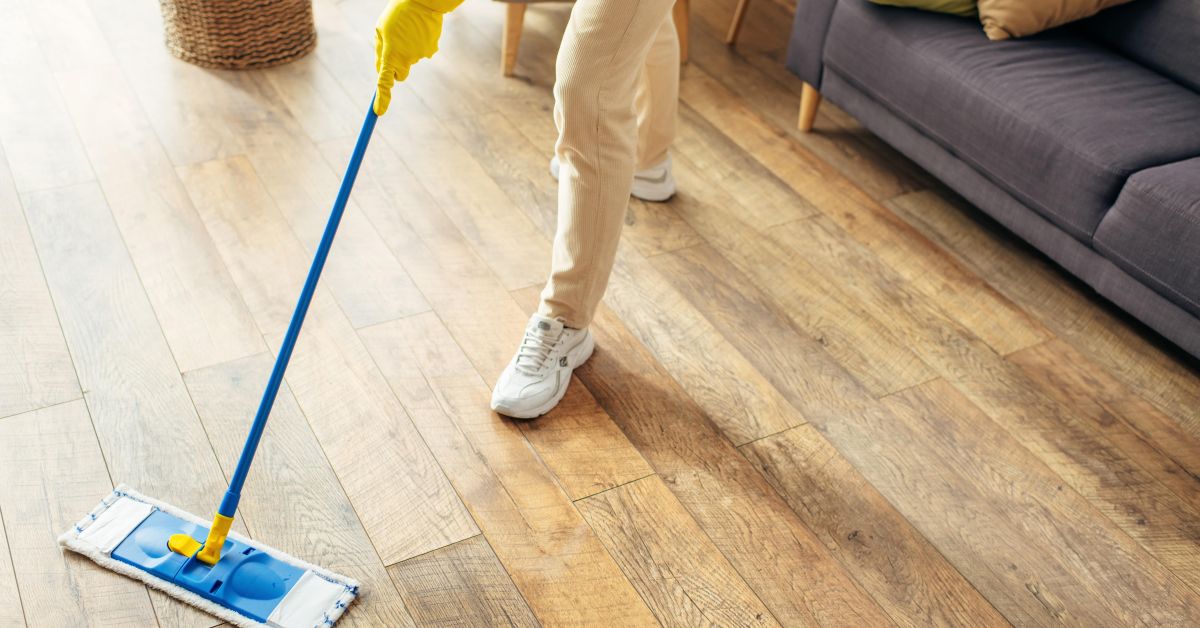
(239, 34)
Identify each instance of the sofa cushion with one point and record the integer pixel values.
(1057, 121)
(1003, 19)
(1162, 34)
(1153, 231)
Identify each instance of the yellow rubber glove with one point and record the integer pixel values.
(407, 31)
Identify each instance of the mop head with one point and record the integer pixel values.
(252, 584)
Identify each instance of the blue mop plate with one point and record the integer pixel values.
(251, 585)
(246, 579)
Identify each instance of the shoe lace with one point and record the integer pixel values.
(534, 350)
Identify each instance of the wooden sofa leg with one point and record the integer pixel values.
(810, 99)
(510, 43)
(735, 25)
(682, 12)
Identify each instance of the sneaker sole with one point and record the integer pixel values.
(581, 350)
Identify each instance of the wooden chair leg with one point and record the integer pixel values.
(681, 16)
(510, 43)
(810, 99)
(735, 25)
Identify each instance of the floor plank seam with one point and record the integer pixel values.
(45, 407)
(614, 487)
(11, 561)
(432, 551)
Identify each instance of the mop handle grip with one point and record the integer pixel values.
(229, 503)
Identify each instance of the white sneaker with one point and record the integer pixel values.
(652, 184)
(537, 377)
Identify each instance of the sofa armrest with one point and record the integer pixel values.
(807, 44)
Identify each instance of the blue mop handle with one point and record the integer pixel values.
(229, 503)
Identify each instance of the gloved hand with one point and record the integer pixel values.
(407, 32)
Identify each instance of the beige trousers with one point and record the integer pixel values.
(616, 95)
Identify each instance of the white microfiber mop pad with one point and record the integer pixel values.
(318, 599)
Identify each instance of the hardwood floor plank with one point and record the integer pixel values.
(12, 613)
(972, 524)
(314, 98)
(448, 272)
(976, 541)
(201, 114)
(586, 451)
(582, 446)
(893, 561)
(735, 396)
(67, 35)
(782, 561)
(35, 366)
(347, 402)
(754, 69)
(679, 572)
(863, 345)
(54, 474)
(1126, 350)
(198, 307)
(292, 494)
(834, 500)
(368, 282)
(35, 130)
(1147, 437)
(1118, 574)
(144, 419)
(554, 558)
(1054, 433)
(461, 584)
(936, 275)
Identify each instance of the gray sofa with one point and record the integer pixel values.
(1084, 140)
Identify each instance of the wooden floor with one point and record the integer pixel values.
(826, 391)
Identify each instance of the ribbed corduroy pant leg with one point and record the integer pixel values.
(615, 54)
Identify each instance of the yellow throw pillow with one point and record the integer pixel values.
(1003, 19)
(964, 8)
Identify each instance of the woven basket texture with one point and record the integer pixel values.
(238, 34)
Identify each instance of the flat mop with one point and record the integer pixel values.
(237, 579)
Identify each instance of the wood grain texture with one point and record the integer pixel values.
(589, 455)
(36, 135)
(554, 558)
(12, 613)
(859, 342)
(833, 499)
(1145, 436)
(1060, 524)
(197, 305)
(54, 474)
(462, 584)
(932, 272)
(244, 114)
(677, 569)
(1141, 506)
(487, 219)
(893, 561)
(756, 71)
(364, 277)
(782, 561)
(1128, 352)
(36, 369)
(136, 397)
(332, 376)
(292, 494)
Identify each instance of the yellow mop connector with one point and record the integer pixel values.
(210, 551)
